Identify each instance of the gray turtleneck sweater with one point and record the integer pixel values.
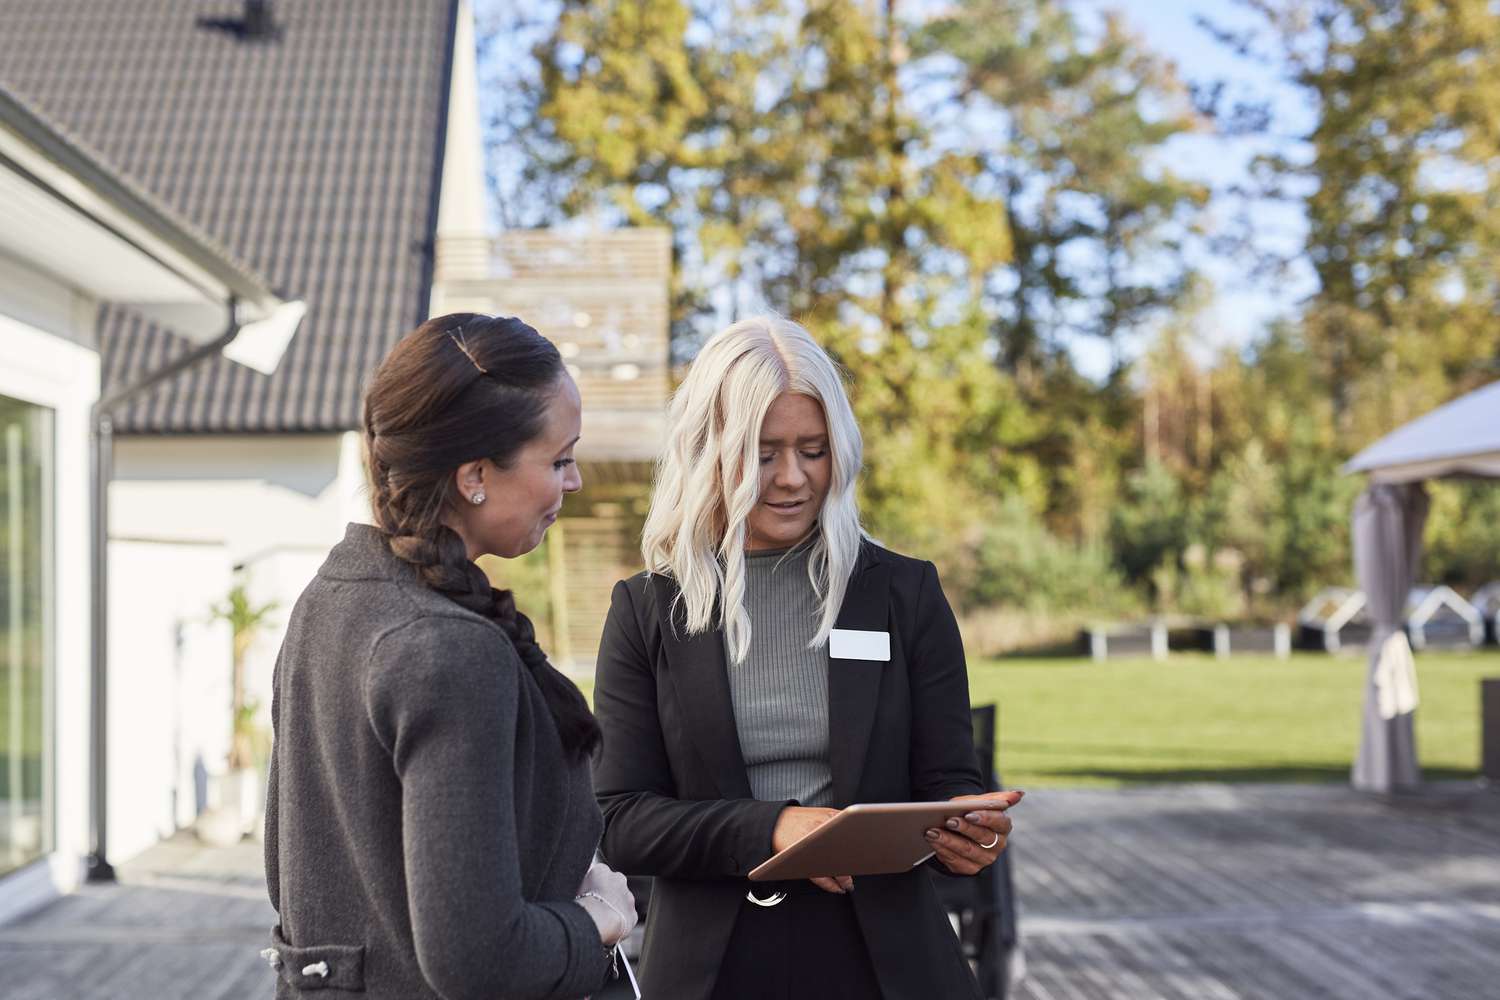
(780, 692)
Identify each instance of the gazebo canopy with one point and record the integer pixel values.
(1460, 438)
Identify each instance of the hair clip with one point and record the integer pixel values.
(458, 340)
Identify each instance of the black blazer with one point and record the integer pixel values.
(677, 805)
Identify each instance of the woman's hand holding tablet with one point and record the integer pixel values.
(882, 838)
(971, 843)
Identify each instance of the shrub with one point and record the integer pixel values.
(1021, 565)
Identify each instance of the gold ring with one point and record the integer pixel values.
(991, 843)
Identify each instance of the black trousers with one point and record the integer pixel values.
(807, 947)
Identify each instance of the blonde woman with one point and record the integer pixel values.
(732, 726)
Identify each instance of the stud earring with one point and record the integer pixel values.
(477, 498)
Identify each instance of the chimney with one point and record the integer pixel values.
(259, 23)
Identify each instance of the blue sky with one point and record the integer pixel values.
(1241, 308)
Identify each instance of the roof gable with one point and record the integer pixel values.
(314, 156)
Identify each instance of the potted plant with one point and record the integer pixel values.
(240, 790)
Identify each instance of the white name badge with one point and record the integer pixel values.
(856, 644)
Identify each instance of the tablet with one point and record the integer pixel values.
(869, 838)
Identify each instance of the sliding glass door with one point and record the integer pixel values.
(26, 506)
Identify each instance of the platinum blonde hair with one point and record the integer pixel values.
(708, 479)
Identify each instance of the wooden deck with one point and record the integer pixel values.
(185, 923)
(1194, 892)
(1277, 892)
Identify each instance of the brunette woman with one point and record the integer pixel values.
(430, 825)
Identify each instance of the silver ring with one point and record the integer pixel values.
(770, 900)
(991, 843)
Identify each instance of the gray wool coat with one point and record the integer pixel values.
(425, 830)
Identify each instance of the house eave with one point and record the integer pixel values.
(73, 217)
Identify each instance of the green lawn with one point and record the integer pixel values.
(1193, 718)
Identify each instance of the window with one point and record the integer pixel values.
(26, 507)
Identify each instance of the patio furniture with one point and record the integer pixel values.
(1333, 619)
(1101, 642)
(1486, 601)
(1437, 618)
(1224, 639)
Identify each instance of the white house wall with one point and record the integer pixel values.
(194, 509)
(168, 675)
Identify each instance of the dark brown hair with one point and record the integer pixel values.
(456, 389)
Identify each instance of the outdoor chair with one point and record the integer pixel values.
(985, 906)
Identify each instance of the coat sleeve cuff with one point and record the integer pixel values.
(752, 841)
(587, 967)
(952, 790)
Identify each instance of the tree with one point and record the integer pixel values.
(1152, 523)
(798, 173)
(1071, 131)
(1242, 514)
(246, 620)
(1400, 180)
(1463, 535)
(944, 195)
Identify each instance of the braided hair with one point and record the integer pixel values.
(456, 389)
